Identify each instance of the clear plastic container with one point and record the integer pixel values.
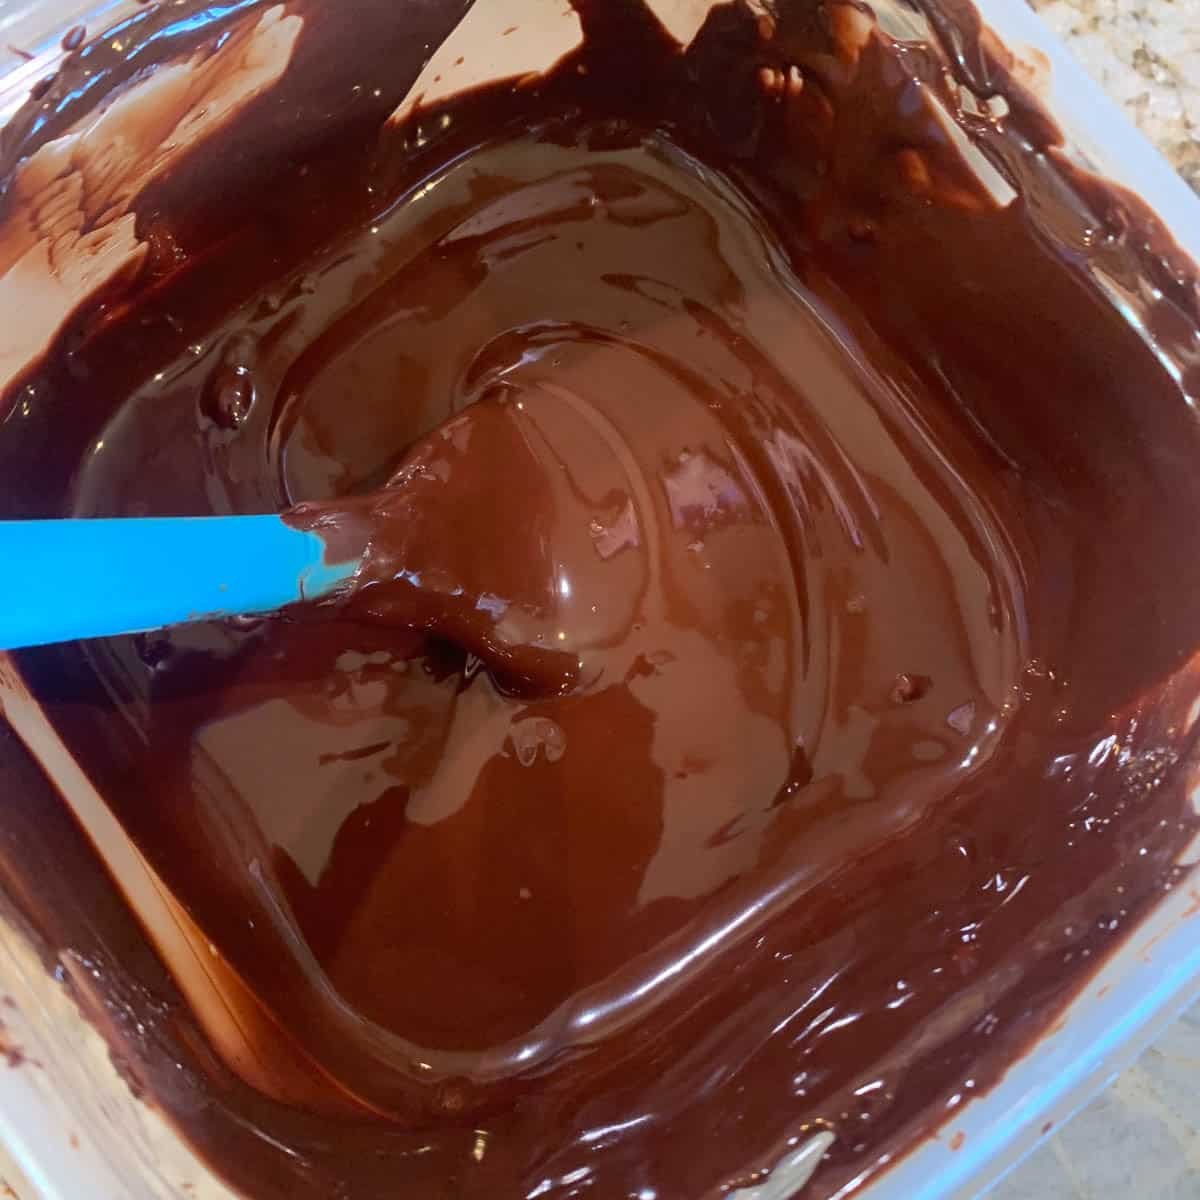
(73, 1128)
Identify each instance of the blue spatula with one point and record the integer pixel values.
(94, 577)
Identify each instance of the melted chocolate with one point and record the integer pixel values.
(767, 689)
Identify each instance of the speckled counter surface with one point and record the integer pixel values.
(1146, 55)
(1141, 1139)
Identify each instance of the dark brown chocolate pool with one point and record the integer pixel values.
(806, 457)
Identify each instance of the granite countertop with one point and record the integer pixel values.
(1140, 1138)
(1146, 55)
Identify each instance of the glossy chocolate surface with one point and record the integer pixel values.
(769, 684)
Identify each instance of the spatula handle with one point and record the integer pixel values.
(95, 577)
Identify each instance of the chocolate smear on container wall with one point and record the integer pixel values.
(753, 365)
